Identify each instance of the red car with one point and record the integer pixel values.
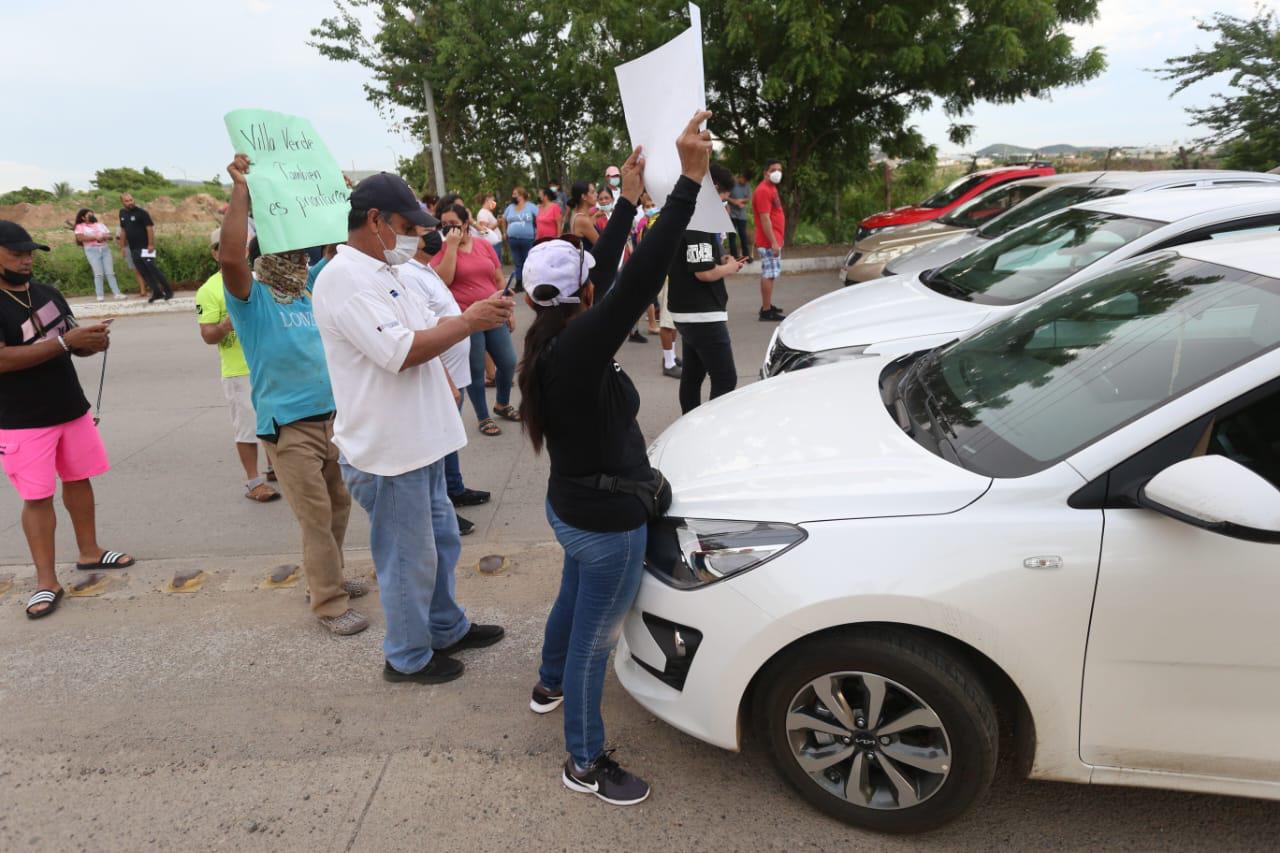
(951, 196)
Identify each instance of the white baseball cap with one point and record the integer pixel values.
(561, 264)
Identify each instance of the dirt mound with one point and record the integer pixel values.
(164, 210)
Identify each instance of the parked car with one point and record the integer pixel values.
(950, 197)
(878, 566)
(1085, 187)
(911, 312)
(869, 255)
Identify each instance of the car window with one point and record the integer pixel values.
(1033, 259)
(1036, 387)
(953, 191)
(991, 203)
(1042, 204)
(1236, 228)
(1251, 437)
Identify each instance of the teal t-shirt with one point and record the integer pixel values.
(287, 369)
(520, 223)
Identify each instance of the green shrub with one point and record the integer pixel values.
(30, 195)
(185, 260)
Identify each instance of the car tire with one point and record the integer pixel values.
(952, 763)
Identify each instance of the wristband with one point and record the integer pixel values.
(62, 341)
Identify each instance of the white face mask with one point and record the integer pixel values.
(776, 176)
(405, 248)
(615, 181)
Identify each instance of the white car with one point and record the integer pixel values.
(1079, 188)
(905, 313)
(881, 564)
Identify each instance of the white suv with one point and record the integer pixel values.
(912, 312)
(878, 564)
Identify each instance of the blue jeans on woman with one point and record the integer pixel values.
(497, 342)
(414, 561)
(601, 577)
(100, 262)
(453, 464)
(520, 247)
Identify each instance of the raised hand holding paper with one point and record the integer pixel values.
(300, 197)
(660, 90)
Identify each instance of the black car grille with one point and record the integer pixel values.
(782, 358)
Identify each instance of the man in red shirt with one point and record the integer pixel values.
(771, 224)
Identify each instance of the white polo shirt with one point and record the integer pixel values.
(389, 421)
(430, 286)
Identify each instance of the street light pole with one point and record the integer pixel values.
(437, 162)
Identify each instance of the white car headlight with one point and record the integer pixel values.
(688, 553)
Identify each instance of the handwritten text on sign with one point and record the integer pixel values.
(299, 196)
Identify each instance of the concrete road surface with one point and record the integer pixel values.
(225, 718)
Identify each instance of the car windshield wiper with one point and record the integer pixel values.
(935, 280)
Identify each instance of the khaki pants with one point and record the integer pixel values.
(306, 463)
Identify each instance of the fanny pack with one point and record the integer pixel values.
(654, 493)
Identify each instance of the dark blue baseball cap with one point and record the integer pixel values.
(16, 239)
(390, 194)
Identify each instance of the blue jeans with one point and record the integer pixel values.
(520, 247)
(497, 342)
(453, 465)
(601, 577)
(100, 262)
(415, 562)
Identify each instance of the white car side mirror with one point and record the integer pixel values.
(1218, 494)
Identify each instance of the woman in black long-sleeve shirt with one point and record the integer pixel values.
(579, 403)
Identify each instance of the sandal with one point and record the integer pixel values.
(49, 598)
(262, 493)
(488, 427)
(489, 382)
(108, 560)
(510, 413)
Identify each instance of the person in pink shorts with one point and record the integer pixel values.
(46, 431)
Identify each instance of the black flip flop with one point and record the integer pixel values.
(44, 596)
(108, 560)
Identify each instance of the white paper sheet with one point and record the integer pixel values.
(660, 93)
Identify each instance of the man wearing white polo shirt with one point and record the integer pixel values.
(396, 422)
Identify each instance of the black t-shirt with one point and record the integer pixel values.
(49, 393)
(134, 224)
(590, 403)
(688, 299)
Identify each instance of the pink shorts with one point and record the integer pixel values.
(34, 459)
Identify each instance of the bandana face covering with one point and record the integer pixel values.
(286, 277)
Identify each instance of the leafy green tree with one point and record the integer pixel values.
(62, 190)
(530, 83)
(125, 179)
(1245, 122)
(28, 195)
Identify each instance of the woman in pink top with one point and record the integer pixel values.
(472, 271)
(549, 214)
(94, 238)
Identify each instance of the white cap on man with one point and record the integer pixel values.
(562, 265)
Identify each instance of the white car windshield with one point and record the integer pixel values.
(1033, 259)
(1042, 204)
(1032, 389)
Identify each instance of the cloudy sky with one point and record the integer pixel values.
(145, 83)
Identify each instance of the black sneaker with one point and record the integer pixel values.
(442, 668)
(477, 637)
(465, 527)
(636, 338)
(545, 701)
(773, 315)
(469, 497)
(607, 780)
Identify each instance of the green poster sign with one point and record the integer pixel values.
(299, 196)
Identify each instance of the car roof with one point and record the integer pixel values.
(1062, 179)
(1258, 254)
(1139, 181)
(1172, 205)
(1004, 170)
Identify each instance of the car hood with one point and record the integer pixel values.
(902, 216)
(890, 309)
(940, 253)
(812, 445)
(907, 235)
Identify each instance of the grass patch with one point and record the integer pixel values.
(182, 253)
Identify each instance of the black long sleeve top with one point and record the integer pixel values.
(591, 403)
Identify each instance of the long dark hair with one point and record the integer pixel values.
(81, 214)
(547, 324)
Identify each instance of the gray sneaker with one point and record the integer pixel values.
(345, 625)
(674, 372)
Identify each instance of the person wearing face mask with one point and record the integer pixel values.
(47, 432)
(94, 237)
(270, 309)
(549, 213)
(612, 178)
(518, 223)
(604, 208)
(472, 271)
(398, 420)
(771, 225)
